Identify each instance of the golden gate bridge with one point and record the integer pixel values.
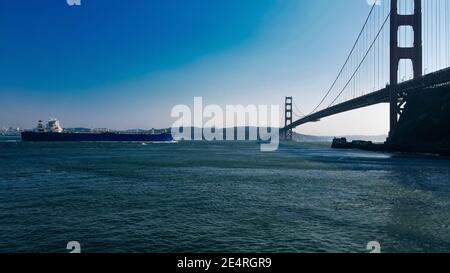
(403, 48)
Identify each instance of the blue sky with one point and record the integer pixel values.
(125, 64)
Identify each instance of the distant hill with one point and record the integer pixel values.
(308, 138)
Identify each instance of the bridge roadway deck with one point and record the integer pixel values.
(437, 78)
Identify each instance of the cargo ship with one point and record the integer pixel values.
(54, 132)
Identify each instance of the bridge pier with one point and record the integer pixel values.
(287, 134)
(398, 99)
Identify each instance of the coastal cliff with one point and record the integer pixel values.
(424, 126)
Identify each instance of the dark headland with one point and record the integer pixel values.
(424, 126)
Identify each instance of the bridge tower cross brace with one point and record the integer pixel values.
(398, 100)
(287, 135)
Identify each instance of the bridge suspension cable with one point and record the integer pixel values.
(436, 35)
(299, 112)
(363, 59)
(348, 57)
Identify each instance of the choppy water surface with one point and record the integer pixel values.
(219, 197)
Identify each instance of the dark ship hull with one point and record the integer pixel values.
(95, 137)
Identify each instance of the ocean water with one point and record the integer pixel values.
(219, 197)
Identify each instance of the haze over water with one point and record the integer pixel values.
(219, 197)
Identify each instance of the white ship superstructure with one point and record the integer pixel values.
(53, 126)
